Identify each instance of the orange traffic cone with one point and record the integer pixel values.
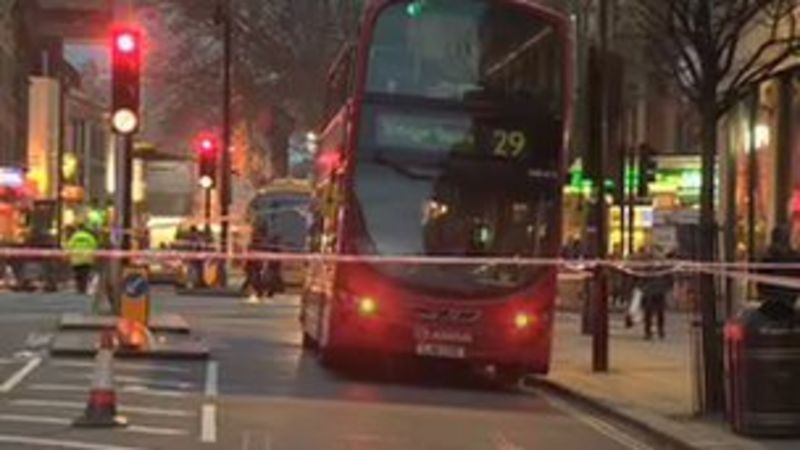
(101, 408)
(134, 335)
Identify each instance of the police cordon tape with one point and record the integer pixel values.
(743, 271)
(636, 268)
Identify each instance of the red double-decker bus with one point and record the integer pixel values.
(444, 138)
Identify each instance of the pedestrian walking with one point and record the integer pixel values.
(274, 273)
(82, 246)
(47, 266)
(655, 284)
(255, 283)
(193, 242)
(21, 265)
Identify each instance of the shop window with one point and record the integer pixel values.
(765, 140)
(795, 161)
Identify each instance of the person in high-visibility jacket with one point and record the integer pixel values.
(82, 246)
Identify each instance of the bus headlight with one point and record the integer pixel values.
(367, 306)
(524, 320)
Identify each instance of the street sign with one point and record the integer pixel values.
(136, 295)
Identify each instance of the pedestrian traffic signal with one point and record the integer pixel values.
(126, 59)
(207, 149)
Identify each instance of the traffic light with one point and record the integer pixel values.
(126, 60)
(647, 172)
(610, 188)
(416, 7)
(207, 149)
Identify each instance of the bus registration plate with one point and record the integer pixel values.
(441, 350)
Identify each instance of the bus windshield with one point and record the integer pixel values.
(461, 200)
(460, 142)
(451, 50)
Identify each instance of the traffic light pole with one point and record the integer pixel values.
(121, 229)
(600, 316)
(632, 189)
(225, 157)
(207, 207)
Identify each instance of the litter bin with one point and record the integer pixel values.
(762, 371)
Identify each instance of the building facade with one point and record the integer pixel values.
(759, 168)
(15, 57)
(645, 110)
(759, 162)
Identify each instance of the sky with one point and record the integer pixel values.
(78, 55)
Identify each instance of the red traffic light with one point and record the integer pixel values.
(126, 69)
(207, 145)
(126, 42)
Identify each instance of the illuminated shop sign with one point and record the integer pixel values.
(11, 177)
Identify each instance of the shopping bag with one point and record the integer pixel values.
(93, 286)
(634, 314)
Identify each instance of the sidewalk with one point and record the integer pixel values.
(650, 382)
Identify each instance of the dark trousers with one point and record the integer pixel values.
(274, 279)
(82, 273)
(255, 278)
(654, 307)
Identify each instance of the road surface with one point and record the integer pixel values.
(260, 391)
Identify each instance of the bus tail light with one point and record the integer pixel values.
(524, 320)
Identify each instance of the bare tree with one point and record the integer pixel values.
(716, 51)
(281, 53)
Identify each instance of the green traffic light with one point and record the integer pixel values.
(414, 9)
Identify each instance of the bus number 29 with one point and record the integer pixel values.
(509, 144)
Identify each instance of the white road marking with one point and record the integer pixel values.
(208, 425)
(59, 443)
(20, 375)
(127, 409)
(212, 379)
(158, 431)
(46, 420)
(36, 340)
(167, 384)
(127, 389)
(61, 421)
(24, 355)
(601, 426)
(144, 390)
(124, 366)
(58, 387)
